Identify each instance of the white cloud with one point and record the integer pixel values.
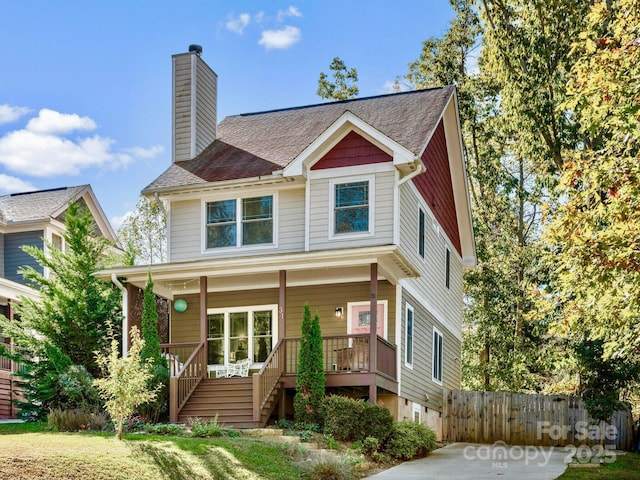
(52, 122)
(280, 39)
(142, 152)
(117, 220)
(239, 23)
(10, 113)
(41, 149)
(9, 184)
(45, 155)
(289, 12)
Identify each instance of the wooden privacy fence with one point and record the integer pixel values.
(521, 419)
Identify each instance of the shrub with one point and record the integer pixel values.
(330, 467)
(376, 422)
(370, 445)
(164, 429)
(125, 385)
(350, 419)
(151, 355)
(332, 443)
(76, 420)
(310, 382)
(409, 440)
(205, 428)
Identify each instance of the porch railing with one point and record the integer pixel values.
(7, 364)
(386, 358)
(346, 353)
(186, 376)
(177, 354)
(267, 379)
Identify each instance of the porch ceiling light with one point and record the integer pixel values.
(339, 312)
(180, 305)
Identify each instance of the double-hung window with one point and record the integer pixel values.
(239, 222)
(437, 356)
(351, 207)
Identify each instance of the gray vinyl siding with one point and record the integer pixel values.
(185, 230)
(1, 255)
(206, 86)
(448, 302)
(194, 115)
(291, 221)
(182, 107)
(417, 381)
(14, 257)
(320, 207)
(186, 227)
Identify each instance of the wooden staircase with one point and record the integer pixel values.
(229, 398)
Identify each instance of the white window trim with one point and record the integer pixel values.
(433, 357)
(416, 408)
(238, 245)
(250, 310)
(408, 308)
(332, 205)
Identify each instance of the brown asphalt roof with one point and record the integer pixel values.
(39, 205)
(256, 144)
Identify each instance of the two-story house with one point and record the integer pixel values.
(358, 207)
(30, 218)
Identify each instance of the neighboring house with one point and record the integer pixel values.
(28, 219)
(347, 205)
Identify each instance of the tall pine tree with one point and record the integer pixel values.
(75, 316)
(310, 382)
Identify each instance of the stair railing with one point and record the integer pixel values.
(185, 381)
(267, 379)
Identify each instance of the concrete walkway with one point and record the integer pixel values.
(471, 461)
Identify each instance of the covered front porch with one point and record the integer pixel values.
(251, 308)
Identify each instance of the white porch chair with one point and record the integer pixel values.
(240, 368)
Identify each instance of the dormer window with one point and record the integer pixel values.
(239, 222)
(352, 207)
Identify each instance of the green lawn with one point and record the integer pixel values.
(626, 467)
(28, 451)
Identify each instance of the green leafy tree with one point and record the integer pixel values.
(143, 233)
(310, 383)
(75, 316)
(125, 383)
(595, 231)
(152, 356)
(344, 85)
(501, 344)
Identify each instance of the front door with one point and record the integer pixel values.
(359, 318)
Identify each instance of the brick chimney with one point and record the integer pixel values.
(194, 106)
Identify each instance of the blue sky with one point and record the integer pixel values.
(85, 86)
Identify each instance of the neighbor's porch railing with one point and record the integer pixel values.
(346, 353)
(186, 376)
(8, 365)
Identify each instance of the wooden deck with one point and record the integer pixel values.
(248, 402)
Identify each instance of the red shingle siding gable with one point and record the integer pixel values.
(351, 151)
(436, 188)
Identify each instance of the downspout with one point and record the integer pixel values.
(413, 174)
(157, 198)
(125, 311)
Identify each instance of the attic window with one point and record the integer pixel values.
(351, 207)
